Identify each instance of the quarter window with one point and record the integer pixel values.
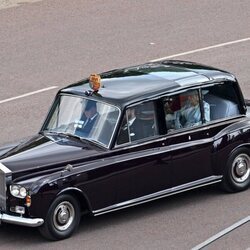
(223, 101)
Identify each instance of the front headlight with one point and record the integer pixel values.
(18, 191)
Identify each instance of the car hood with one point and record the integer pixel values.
(42, 152)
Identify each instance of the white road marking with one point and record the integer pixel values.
(163, 58)
(28, 94)
(14, 3)
(222, 233)
(202, 49)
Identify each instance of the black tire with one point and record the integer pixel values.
(236, 176)
(62, 218)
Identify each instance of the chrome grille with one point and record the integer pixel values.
(4, 173)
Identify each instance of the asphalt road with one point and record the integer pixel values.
(54, 43)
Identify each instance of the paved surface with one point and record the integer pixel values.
(53, 43)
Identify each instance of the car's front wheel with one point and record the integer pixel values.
(237, 173)
(62, 218)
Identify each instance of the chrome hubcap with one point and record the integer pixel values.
(241, 168)
(63, 216)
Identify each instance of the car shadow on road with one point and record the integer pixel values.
(12, 235)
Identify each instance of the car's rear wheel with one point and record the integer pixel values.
(237, 173)
(62, 219)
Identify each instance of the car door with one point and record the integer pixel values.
(146, 167)
(188, 138)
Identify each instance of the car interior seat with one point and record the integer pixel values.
(221, 108)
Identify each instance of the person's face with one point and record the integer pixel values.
(90, 113)
(130, 113)
(193, 99)
(168, 108)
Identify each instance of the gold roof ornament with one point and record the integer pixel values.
(95, 82)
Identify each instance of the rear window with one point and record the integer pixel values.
(223, 101)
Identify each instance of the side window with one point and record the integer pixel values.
(183, 110)
(139, 122)
(223, 101)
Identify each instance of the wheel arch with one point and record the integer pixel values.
(226, 143)
(241, 146)
(229, 182)
(80, 196)
(244, 145)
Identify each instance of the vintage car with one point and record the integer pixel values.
(126, 137)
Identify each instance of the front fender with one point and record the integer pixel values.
(46, 189)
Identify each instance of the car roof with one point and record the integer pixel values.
(134, 84)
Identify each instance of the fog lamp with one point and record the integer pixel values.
(18, 210)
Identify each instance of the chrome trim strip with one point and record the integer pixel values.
(162, 149)
(70, 189)
(4, 169)
(168, 192)
(189, 144)
(36, 222)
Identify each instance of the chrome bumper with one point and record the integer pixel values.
(28, 222)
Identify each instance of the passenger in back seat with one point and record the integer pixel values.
(190, 115)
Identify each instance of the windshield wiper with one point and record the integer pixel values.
(71, 136)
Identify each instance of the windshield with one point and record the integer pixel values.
(86, 118)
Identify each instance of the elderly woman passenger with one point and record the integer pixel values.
(190, 114)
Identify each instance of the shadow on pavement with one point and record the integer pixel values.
(12, 235)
